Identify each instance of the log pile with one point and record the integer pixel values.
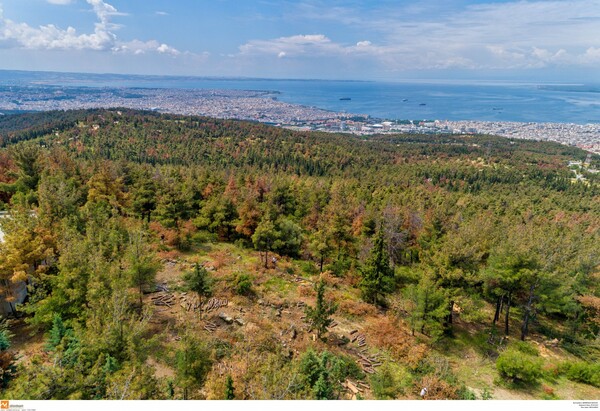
(165, 300)
(355, 387)
(368, 363)
(359, 339)
(214, 303)
(189, 304)
(210, 327)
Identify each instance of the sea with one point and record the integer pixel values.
(414, 100)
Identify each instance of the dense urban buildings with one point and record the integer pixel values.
(263, 106)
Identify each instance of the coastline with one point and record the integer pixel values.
(264, 106)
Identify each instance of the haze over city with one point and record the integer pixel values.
(381, 40)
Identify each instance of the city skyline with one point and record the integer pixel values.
(362, 40)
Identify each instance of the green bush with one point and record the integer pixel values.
(582, 372)
(390, 381)
(466, 394)
(308, 267)
(340, 266)
(518, 367)
(243, 284)
(323, 371)
(203, 237)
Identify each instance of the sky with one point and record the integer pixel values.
(353, 39)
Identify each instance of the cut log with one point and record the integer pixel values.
(352, 387)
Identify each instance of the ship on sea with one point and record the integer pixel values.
(345, 99)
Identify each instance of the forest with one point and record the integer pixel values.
(178, 257)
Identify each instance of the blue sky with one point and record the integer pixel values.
(355, 39)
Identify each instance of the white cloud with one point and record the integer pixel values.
(163, 48)
(493, 35)
(591, 56)
(51, 37)
(162, 13)
(311, 45)
(141, 47)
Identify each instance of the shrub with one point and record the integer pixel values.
(486, 394)
(389, 334)
(390, 381)
(520, 368)
(357, 308)
(582, 372)
(243, 284)
(437, 388)
(323, 371)
(339, 267)
(466, 394)
(308, 267)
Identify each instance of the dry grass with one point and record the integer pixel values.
(437, 389)
(356, 308)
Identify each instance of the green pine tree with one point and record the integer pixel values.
(198, 281)
(319, 316)
(57, 332)
(322, 388)
(378, 276)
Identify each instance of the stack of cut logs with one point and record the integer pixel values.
(360, 339)
(210, 326)
(214, 303)
(355, 387)
(166, 300)
(187, 304)
(368, 364)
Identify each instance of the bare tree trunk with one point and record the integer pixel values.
(527, 315)
(425, 311)
(450, 311)
(507, 314)
(498, 307)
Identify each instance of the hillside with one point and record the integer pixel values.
(187, 257)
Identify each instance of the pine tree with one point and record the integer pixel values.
(264, 237)
(323, 389)
(198, 281)
(319, 316)
(57, 332)
(142, 265)
(192, 365)
(377, 274)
